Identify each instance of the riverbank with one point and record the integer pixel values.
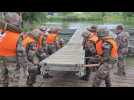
(129, 22)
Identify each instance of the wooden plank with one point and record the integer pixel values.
(72, 53)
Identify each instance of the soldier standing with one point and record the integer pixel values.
(14, 20)
(41, 43)
(52, 40)
(89, 45)
(106, 48)
(122, 41)
(21, 56)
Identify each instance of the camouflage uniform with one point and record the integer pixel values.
(51, 48)
(41, 53)
(122, 40)
(4, 72)
(33, 71)
(21, 55)
(90, 50)
(103, 72)
(14, 19)
(33, 67)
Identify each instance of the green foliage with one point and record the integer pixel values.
(33, 19)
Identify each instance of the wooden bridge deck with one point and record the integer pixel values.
(70, 55)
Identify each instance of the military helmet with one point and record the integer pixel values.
(85, 34)
(43, 28)
(120, 27)
(12, 18)
(55, 29)
(92, 28)
(36, 32)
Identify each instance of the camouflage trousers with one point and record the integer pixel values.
(103, 73)
(121, 65)
(22, 64)
(7, 72)
(33, 71)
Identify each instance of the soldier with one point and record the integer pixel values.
(21, 56)
(41, 43)
(33, 49)
(14, 20)
(52, 40)
(122, 40)
(106, 48)
(89, 45)
(53, 43)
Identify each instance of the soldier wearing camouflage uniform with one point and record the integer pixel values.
(42, 52)
(106, 48)
(21, 56)
(13, 19)
(122, 40)
(53, 40)
(89, 45)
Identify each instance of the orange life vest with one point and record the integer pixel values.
(51, 38)
(114, 51)
(27, 40)
(8, 43)
(39, 43)
(99, 50)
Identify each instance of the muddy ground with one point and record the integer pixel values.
(69, 79)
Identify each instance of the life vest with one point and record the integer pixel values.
(90, 39)
(99, 49)
(39, 42)
(8, 41)
(27, 40)
(51, 38)
(114, 51)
